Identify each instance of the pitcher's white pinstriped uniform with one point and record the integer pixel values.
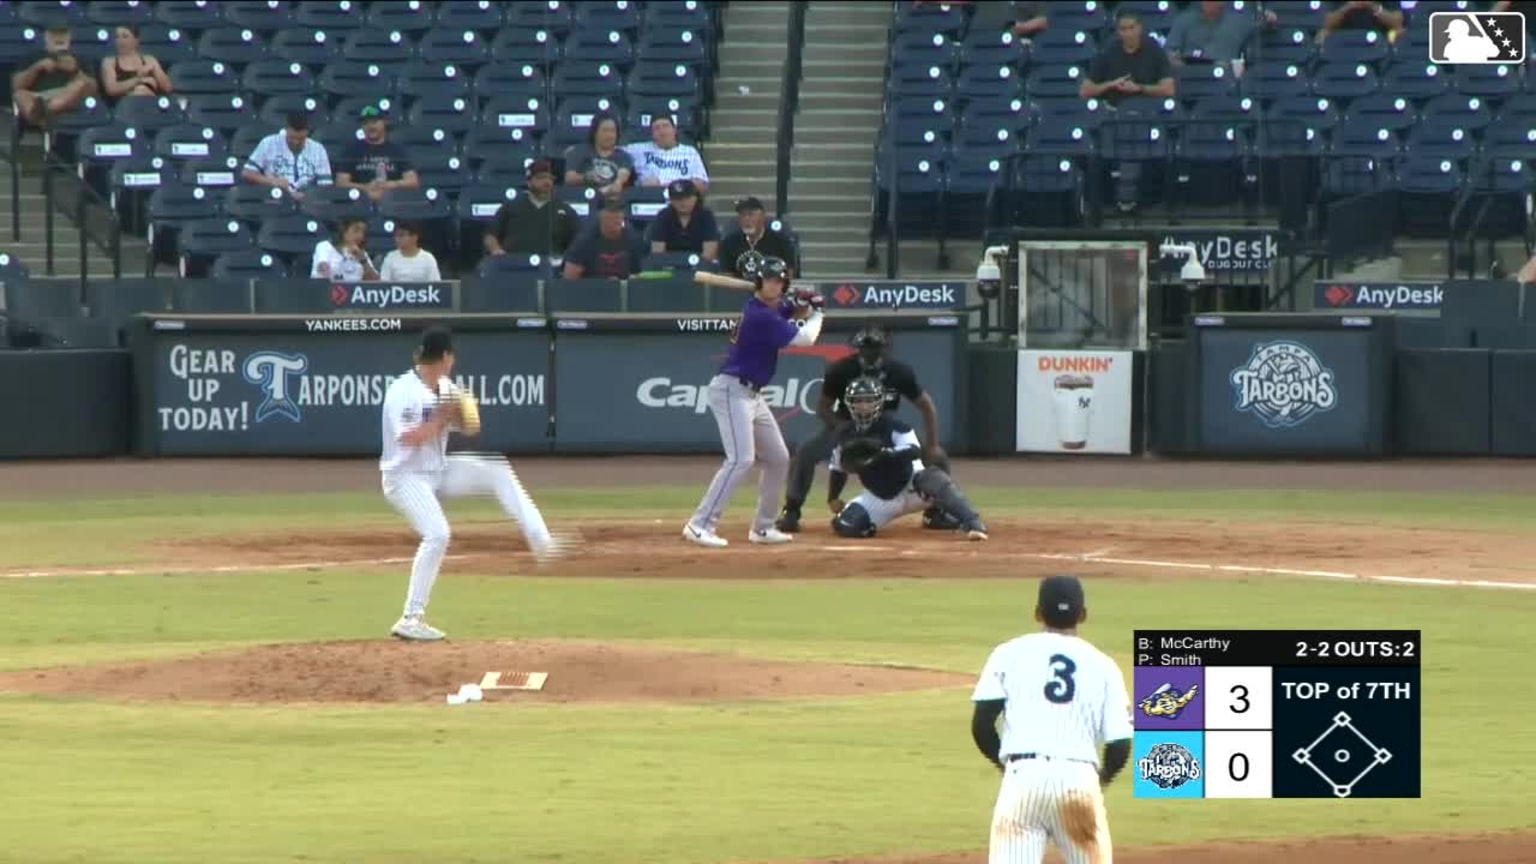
(1064, 700)
(415, 478)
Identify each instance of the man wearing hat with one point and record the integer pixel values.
(534, 222)
(53, 82)
(742, 250)
(608, 248)
(685, 225)
(373, 163)
(1061, 699)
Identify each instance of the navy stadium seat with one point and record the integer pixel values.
(1363, 136)
(423, 79)
(249, 264)
(552, 15)
(1300, 15)
(193, 15)
(189, 141)
(167, 44)
(602, 46)
(256, 204)
(308, 45)
(1427, 190)
(112, 13)
(1386, 109)
(990, 80)
(1489, 82)
(366, 83)
(1467, 112)
(1512, 136)
(210, 173)
(194, 77)
(446, 172)
(689, 15)
(528, 114)
(1268, 82)
(1519, 105)
(275, 109)
(43, 14)
(1355, 46)
(511, 79)
(292, 237)
(369, 46)
(1061, 137)
(265, 16)
(1086, 15)
(587, 78)
(201, 241)
(225, 112)
(514, 148)
(148, 114)
(990, 47)
(674, 46)
(1211, 160)
(425, 139)
(519, 45)
(1056, 81)
(465, 49)
(231, 44)
(1440, 139)
(622, 15)
(455, 116)
(1344, 175)
(332, 203)
(920, 81)
(171, 207)
(91, 44)
(481, 15)
(1416, 79)
(1064, 46)
(664, 81)
(1240, 111)
(413, 16)
(330, 15)
(924, 49)
(1344, 81)
(273, 77)
(929, 18)
(1200, 81)
(90, 113)
(1285, 46)
(243, 142)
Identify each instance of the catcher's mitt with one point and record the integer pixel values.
(859, 453)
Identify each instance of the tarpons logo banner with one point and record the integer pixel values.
(1283, 384)
(1240, 250)
(1415, 296)
(894, 295)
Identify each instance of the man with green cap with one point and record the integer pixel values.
(372, 162)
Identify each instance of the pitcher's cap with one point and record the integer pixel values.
(1061, 600)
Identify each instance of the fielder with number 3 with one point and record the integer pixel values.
(1060, 699)
(420, 408)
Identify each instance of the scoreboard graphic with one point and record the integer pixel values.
(1276, 714)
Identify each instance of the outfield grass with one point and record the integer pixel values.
(677, 784)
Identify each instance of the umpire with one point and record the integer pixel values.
(872, 359)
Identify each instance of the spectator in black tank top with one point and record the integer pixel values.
(130, 73)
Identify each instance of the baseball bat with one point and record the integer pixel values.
(716, 280)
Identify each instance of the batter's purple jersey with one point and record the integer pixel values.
(762, 332)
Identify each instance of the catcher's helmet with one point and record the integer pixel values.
(865, 398)
(771, 268)
(871, 342)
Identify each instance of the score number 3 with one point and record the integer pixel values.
(1240, 697)
(1062, 686)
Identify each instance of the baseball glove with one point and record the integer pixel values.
(463, 403)
(859, 453)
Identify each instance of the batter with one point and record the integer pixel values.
(748, 431)
(1060, 698)
(420, 408)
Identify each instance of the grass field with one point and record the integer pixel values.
(105, 781)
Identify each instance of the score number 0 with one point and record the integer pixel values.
(1239, 696)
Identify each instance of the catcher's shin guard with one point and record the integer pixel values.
(935, 519)
(853, 522)
(935, 485)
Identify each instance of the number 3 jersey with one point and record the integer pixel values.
(1064, 697)
(884, 478)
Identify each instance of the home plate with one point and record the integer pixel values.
(514, 680)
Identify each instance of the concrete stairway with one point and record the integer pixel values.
(742, 153)
(831, 184)
(32, 248)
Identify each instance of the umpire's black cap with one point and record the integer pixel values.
(1061, 601)
(436, 342)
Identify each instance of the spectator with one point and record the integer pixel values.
(1386, 18)
(534, 223)
(1210, 31)
(409, 262)
(342, 259)
(610, 249)
(601, 163)
(54, 83)
(743, 250)
(130, 73)
(663, 159)
(1030, 18)
(375, 164)
(685, 225)
(289, 159)
(1131, 66)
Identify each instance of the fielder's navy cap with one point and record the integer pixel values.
(435, 342)
(1061, 599)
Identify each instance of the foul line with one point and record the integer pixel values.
(227, 568)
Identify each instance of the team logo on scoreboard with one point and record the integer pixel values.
(1284, 384)
(1168, 766)
(1168, 701)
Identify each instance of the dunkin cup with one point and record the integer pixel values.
(1073, 396)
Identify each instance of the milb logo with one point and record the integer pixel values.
(1475, 39)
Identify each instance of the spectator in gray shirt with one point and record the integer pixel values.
(1210, 31)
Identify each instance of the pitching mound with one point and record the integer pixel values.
(1473, 849)
(394, 672)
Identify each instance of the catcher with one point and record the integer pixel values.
(886, 456)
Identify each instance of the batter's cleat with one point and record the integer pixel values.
(412, 629)
(694, 534)
(976, 532)
(770, 536)
(789, 521)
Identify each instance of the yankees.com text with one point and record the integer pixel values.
(342, 324)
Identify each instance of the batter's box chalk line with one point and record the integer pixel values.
(1341, 720)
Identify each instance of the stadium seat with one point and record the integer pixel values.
(1438, 138)
(514, 147)
(292, 239)
(929, 18)
(234, 45)
(1060, 138)
(189, 141)
(511, 79)
(1355, 46)
(201, 241)
(427, 80)
(924, 49)
(972, 176)
(1055, 81)
(1419, 80)
(424, 205)
(1300, 15)
(42, 14)
(112, 13)
(464, 49)
(1503, 183)
(263, 16)
(674, 46)
(170, 208)
(370, 46)
(211, 296)
(454, 116)
(311, 46)
(917, 181)
(1200, 81)
(425, 139)
(255, 204)
(90, 113)
(1138, 131)
(1344, 175)
(989, 80)
(131, 182)
(1085, 15)
(983, 47)
(193, 15)
(527, 114)
(225, 112)
(330, 204)
(197, 77)
(587, 78)
(1362, 136)
(1012, 107)
(1063, 47)
(664, 81)
(1489, 82)
(991, 135)
(1512, 136)
(274, 77)
(691, 15)
(446, 172)
(243, 142)
(248, 264)
(1270, 82)
(1211, 160)
(275, 109)
(148, 114)
(1344, 81)
(210, 173)
(1412, 46)
(1285, 46)
(99, 147)
(1239, 111)
(167, 44)
(1385, 109)
(1427, 190)
(1467, 112)
(599, 46)
(621, 15)
(461, 15)
(92, 43)
(519, 45)
(333, 16)
(357, 84)
(412, 16)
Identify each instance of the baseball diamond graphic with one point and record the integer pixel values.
(1340, 754)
